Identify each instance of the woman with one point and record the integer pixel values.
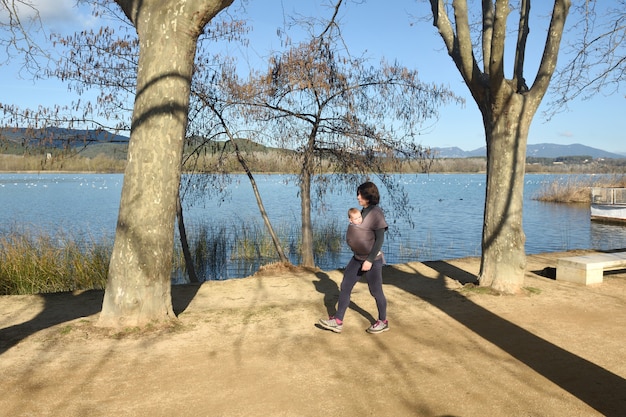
(366, 242)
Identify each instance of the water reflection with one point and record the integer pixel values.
(606, 236)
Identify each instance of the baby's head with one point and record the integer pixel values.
(354, 215)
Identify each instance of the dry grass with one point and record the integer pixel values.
(41, 263)
(576, 189)
(100, 163)
(32, 264)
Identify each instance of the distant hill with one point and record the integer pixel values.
(99, 141)
(94, 141)
(541, 150)
(59, 137)
(91, 143)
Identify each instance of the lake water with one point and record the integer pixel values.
(446, 211)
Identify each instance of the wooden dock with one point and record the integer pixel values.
(608, 204)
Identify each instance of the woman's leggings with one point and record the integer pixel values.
(351, 276)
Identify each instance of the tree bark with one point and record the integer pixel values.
(138, 289)
(184, 243)
(503, 260)
(507, 107)
(306, 251)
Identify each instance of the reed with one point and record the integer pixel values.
(275, 161)
(576, 189)
(33, 263)
(99, 163)
(329, 237)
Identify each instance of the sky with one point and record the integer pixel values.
(391, 29)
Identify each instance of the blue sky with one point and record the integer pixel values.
(375, 28)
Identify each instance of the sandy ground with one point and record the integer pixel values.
(251, 347)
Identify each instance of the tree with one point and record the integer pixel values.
(106, 60)
(507, 107)
(212, 99)
(138, 290)
(325, 104)
(109, 61)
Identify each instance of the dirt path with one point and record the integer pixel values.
(251, 347)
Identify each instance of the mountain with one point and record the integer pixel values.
(59, 137)
(540, 150)
(63, 138)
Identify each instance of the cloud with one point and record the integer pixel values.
(60, 15)
(566, 134)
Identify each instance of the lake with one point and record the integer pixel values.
(446, 212)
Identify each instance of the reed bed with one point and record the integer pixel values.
(99, 163)
(33, 263)
(576, 189)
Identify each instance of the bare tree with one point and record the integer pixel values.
(328, 106)
(595, 61)
(211, 98)
(507, 106)
(106, 60)
(139, 284)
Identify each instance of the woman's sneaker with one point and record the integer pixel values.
(378, 327)
(331, 324)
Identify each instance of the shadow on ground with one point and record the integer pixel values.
(66, 306)
(58, 308)
(599, 388)
(329, 288)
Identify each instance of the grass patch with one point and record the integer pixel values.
(66, 329)
(472, 288)
(532, 290)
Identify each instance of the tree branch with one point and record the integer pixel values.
(551, 50)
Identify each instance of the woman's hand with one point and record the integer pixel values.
(367, 265)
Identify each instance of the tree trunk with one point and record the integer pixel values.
(184, 243)
(259, 201)
(266, 220)
(507, 107)
(306, 250)
(503, 260)
(138, 288)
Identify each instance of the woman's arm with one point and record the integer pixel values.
(379, 238)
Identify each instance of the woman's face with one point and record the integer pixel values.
(362, 202)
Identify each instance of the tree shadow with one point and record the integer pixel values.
(67, 306)
(547, 272)
(330, 289)
(182, 295)
(57, 308)
(598, 387)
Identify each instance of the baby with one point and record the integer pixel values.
(359, 238)
(354, 215)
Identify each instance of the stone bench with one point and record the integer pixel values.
(588, 269)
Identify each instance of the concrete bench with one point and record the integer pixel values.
(588, 269)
